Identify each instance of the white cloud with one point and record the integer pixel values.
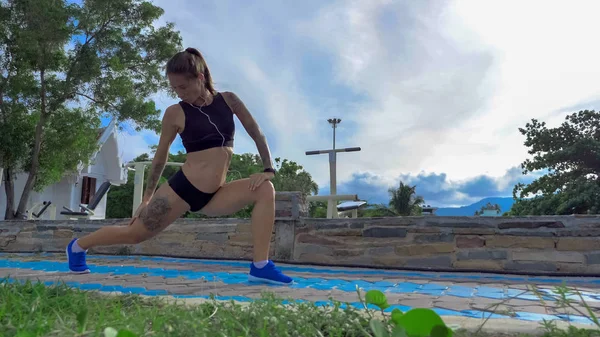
(426, 86)
(546, 57)
(449, 86)
(437, 189)
(237, 48)
(419, 81)
(132, 145)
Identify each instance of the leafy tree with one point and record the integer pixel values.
(244, 165)
(16, 90)
(317, 209)
(64, 66)
(570, 153)
(15, 127)
(292, 177)
(404, 201)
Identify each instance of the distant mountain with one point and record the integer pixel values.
(504, 203)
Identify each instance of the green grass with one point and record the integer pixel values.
(33, 309)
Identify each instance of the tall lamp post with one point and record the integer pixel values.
(331, 203)
(334, 122)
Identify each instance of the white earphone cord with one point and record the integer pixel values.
(210, 121)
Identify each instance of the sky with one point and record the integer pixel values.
(432, 91)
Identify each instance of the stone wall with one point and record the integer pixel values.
(228, 238)
(539, 245)
(555, 244)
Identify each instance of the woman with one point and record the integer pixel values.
(204, 121)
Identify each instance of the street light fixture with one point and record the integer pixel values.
(334, 122)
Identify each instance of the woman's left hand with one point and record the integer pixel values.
(258, 178)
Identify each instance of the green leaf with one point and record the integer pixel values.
(378, 328)
(376, 297)
(399, 331)
(396, 315)
(126, 333)
(419, 322)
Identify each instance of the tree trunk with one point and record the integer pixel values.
(9, 188)
(35, 156)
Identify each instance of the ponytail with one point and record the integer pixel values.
(191, 62)
(193, 51)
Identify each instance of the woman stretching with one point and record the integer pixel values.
(204, 121)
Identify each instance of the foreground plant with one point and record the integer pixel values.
(32, 309)
(417, 322)
(564, 298)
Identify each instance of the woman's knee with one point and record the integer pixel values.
(135, 238)
(134, 235)
(266, 191)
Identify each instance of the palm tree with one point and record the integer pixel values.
(403, 202)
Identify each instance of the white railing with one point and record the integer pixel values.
(331, 200)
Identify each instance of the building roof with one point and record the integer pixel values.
(100, 132)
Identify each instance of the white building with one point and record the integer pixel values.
(490, 212)
(428, 210)
(79, 188)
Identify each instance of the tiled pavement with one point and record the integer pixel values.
(450, 294)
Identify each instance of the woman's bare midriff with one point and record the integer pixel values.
(207, 169)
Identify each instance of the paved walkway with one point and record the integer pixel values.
(452, 295)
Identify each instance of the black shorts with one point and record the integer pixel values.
(190, 194)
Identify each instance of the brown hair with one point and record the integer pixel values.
(191, 62)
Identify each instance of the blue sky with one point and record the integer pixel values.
(432, 91)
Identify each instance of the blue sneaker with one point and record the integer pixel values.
(76, 260)
(268, 274)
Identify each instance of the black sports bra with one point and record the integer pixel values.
(199, 132)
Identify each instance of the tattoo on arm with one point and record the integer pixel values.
(161, 156)
(153, 177)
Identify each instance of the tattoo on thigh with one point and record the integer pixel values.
(153, 216)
